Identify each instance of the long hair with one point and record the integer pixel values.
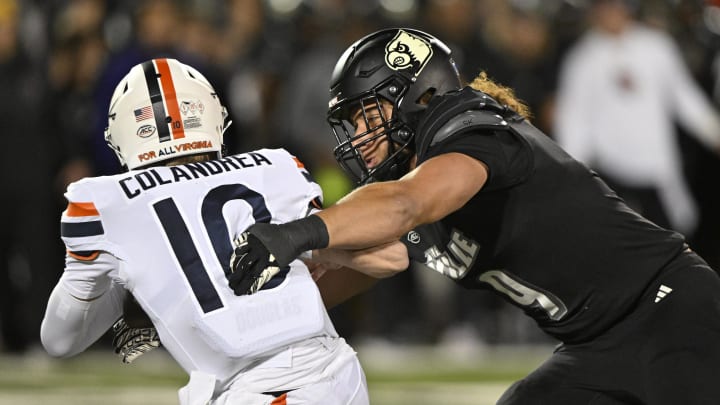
(501, 94)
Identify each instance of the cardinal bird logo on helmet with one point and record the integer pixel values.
(408, 51)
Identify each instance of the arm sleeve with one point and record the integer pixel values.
(81, 308)
(71, 325)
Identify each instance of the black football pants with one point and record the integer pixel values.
(666, 352)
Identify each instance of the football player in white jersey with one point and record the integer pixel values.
(163, 232)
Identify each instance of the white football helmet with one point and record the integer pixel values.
(163, 109)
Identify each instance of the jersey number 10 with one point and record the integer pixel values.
(184, 249)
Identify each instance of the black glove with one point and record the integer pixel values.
(251, 265)
(262, 250)
(131, 343)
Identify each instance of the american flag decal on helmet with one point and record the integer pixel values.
(144, 113)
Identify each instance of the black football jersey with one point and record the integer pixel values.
(545, 232)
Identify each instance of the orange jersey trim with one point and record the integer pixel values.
(300, 164)
(281, 400)
(81, 209)
(171, 102)
(90, 257)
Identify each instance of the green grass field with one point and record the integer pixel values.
(397, 375)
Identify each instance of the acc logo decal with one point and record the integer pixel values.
(408, 51)
(145, 131)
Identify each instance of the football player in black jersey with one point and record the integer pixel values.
(480, 195)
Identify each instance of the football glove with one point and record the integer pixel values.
(262, 250)
(251, 265)
(131, 343)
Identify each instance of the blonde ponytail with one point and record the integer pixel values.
(501, 94)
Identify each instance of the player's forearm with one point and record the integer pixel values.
(370, 218)
(71, 325)
(337, 286)
(375, 214)
(379, 262)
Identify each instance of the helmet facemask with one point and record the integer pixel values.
(342, 117)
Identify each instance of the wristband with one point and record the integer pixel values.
(288, 241)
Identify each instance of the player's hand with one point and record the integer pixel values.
(131, 343)
(251, 265)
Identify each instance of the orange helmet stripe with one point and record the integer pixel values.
(171, 102)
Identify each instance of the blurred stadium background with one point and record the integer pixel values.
(422, 339)
(397, 375)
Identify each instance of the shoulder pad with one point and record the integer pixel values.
(80, 190)
(473, 119)
(457, 112)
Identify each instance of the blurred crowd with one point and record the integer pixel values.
(270, 61)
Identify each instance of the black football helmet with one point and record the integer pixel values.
(404, 66)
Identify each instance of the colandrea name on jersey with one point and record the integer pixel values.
(172, 246)
(148, 179)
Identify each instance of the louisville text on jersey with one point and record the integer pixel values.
(148, 179)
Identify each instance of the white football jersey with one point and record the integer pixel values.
(171, 230)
